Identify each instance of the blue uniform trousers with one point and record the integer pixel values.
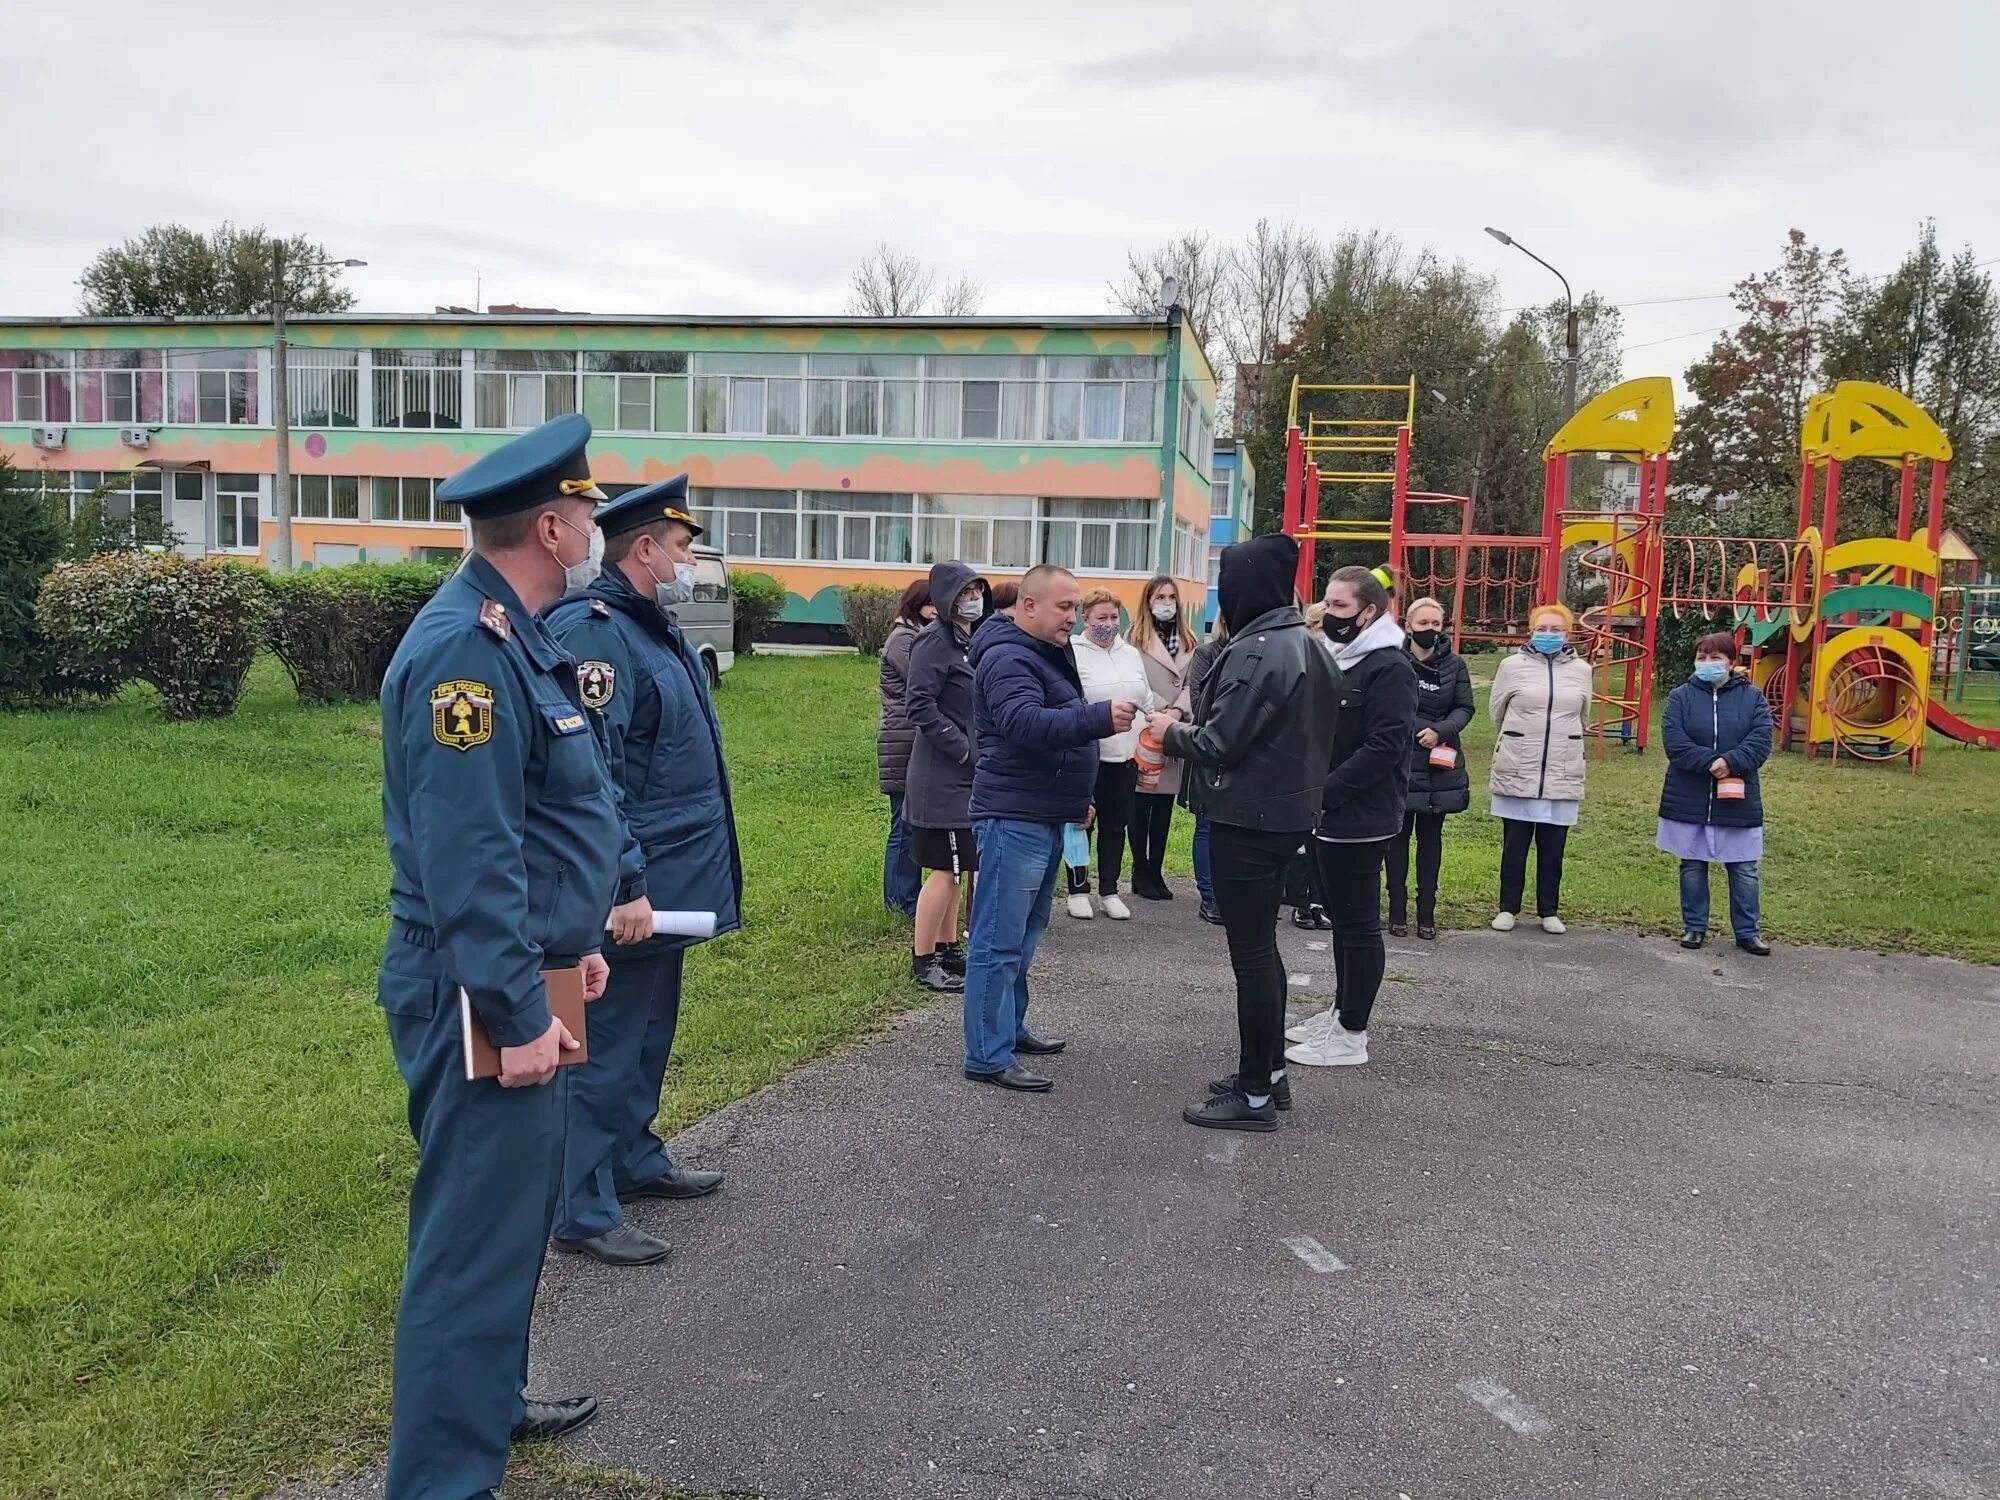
(613, 1098)
(480, 1210)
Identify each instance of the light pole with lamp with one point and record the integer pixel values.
(281, 402)
(1569, 307)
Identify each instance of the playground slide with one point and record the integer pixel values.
(1952, 727)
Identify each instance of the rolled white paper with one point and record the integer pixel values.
(687, 924)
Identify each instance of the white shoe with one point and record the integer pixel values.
(1335, 1047)
(1554, 925)
(1504, 922)
(1079, 906)
(1116, 909)
(1312, 1027)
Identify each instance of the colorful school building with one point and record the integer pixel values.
(1232, 509)
(825, 452)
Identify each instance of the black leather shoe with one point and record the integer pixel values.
(1037, 1046)
(1017, 1078)
(1210, 912)
(1302, 917)
(1754, 945)
(627, 1245)
(1399, 929)
(1231, 1111)
(1321, 920)
(1427, 932)
(1693, 939)
(1281, 1091)
(952, 957)
(675, 1182)
(550, 1419)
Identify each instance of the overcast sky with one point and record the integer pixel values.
(740, 157)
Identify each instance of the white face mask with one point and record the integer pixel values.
(676, 590)
(1165, 612)
(580, 576)
(971, 609)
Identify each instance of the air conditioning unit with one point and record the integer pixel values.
(134, 437)
(47, 437)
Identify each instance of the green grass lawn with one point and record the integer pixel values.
(202, 1150)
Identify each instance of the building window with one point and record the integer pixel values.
(1222, 492)
(134, 495)
(1097, 536)
(1196, 438)
(120, 386)
(212, 387)
(1102, 399)
(862, 395)
(408, 500)
(237, 508)
(1214, 567)
(421, 388)
(1190, 549)
(518, 388)
(324, 387)
(326, 497)
(636, 392)
(748, 395)
(34, 386)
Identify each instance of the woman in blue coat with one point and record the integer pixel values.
(1718, 733)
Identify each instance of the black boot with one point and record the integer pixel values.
(929, 971)
(952, 956)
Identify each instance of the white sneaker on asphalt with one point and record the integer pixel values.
(1335, 1047)
(1312, 1027)
(1504, 922)
(1116, 909)
(1555, 925)
(1079, 906)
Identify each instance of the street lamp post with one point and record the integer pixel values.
(1569, 307)
(281, 403)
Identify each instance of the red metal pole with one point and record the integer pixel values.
(1555, 491)
(1295, 476)
(1829, 530)
(1906, 495)
(1653, 553)
(1934, 534)
(1398, 502)
(1307, 547)
(1458, 585)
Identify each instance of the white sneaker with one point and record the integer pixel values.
(1116, 909)
(1335, 1047)
(1504, 922)
(1554, 925)
(1079, 906)
(1312, 1027)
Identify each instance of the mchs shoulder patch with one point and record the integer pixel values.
(596, 682)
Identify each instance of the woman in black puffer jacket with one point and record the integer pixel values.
(1439, 785)
(900, 875)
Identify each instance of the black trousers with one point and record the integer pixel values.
(1247, 866)
(1113, 800)
(1350, 882)
(1429, 831)
(1549, 840)
(1152, 821)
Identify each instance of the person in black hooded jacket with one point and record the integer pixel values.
(1256, 760)
(1439, 785)
(1361, 809)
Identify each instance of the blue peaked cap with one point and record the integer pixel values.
(665, 501)
(535, 468)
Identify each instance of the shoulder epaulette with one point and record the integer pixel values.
(493, 615)
(599, 607)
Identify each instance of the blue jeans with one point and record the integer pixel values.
(1203, 881)
(900, 875)
(1742, 896)
(1018, 862)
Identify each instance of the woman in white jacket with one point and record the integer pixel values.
(1541, 706)
(1111, 669)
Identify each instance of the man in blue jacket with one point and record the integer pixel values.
(678, 852)
(1037, 741)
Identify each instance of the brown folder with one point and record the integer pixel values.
(566, 1004)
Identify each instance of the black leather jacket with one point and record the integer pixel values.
(1259, 752)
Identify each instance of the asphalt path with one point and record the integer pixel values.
(1600, 1217)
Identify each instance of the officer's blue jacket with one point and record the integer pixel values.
(503, 832)
(664, 748)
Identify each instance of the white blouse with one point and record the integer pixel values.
(1110, 673)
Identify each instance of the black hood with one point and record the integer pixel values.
(948, 581)
(1256, 578)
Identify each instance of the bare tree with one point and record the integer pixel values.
(1196, 263)
(892, 283)
(1268, 280)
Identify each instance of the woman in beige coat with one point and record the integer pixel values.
(1161, 633)
(1540, 704)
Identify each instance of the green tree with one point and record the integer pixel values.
(171, 271)
(30, 544)
(1741, 438)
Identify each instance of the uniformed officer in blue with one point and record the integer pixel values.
(665, 752)
(504, 846)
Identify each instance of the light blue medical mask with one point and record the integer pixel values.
(1711, 672)
(1548, 642)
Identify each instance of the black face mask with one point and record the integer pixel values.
(1340, 631)
(1426, 639)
